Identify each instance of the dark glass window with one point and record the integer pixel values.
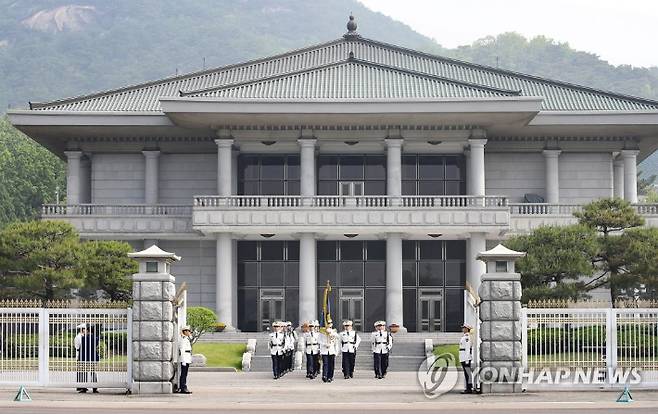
(409, 273)
(454, 309)
(271, 250)
(351, 167)
(351, 250)
(375, 273)
(376, 250)
(430, 167)
(292, 273)
(327, 167)
(327, 271)
(247, 315)
(375, 306)
(247, 273)
(409, 167)
(408, 250)
(292, 306)
(375, 168)
(351, 274)
(430, 250)
(456, 250)
(326, 250)
(430, 273)
(271, 274)
(247, 250)
(433, 175)
(369, 169)
(409, 306)
(268, 174)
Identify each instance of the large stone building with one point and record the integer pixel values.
(381, 169)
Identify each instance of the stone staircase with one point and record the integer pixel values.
(407, 354)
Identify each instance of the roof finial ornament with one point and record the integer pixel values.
(351, 28)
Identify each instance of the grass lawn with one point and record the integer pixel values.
(450, 349)
(221, 354)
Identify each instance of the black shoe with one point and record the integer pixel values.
(330, 380)
(467, 392)
(95, 391)
(351, 375)
(186, 392)
(82, 390)
(346, 376)
(324, 379)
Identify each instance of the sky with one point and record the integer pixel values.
(619, 31)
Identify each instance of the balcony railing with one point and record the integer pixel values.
(539, 209)
(347, 201)
(116, 210)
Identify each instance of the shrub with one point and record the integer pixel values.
(201, 320)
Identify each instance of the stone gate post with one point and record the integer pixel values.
(153, 336)
(500, 331)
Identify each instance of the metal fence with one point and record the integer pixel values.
(46, 347)
(590, 347)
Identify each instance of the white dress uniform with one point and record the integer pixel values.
(312, 351)
(349, 343)
(465, 357)
(329, 347)
(381, 344)
(276, 345)
(185, 359)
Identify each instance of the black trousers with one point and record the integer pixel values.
(349, 359)
(312, 364)
(328, 362)
(468, 380)
(277, 365)
(381, 364)
(182, 382)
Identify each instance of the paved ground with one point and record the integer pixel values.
(252, 392)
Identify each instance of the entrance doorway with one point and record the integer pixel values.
(351, 188)
(271, 307)
(350, 305)
(430, 310)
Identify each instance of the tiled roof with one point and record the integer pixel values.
(377, 62)
(352, 79)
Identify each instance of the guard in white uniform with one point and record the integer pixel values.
(465, 357)
(382, 342)
(349, 343)
(81, 375)
(312, 350)
(185, 349)
(276, 346)
(290, 343)
(329, 347)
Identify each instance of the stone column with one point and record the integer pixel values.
(73, 176)
(154, 336)
(224, 281)
(307, 278)
(476, 172)
(618, 177)
(394, 303)
(630, 175)
(151, 172)
(552, 180)
(467, 156)
(394, 169)
(475, 268)
(224, 166)
(85, 179)
(307, 170)
(501, 349)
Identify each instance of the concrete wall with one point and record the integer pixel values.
(197, 268)
(117, 179)
(182, 176)
(514, 174)
(585, 176)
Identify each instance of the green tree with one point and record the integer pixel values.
(557, 257)
(106, 266)
(29, 174)
(640, 247)
(39, 260)
(611, 217)
(200, 320)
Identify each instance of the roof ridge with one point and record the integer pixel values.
(507, 71)
(345, 61)
(188, 75)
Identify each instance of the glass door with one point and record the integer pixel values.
(430, 311)
(351, 307)
(271, 305)
(351, 188)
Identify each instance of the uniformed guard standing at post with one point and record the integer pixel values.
(290, 343)
(382, 342)
(465, 357)
(276, 345)
(185, 349)
(312, 350)
(349, 343)
(329, 347)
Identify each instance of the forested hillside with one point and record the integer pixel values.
(58, 48)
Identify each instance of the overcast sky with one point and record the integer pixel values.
(620, 31)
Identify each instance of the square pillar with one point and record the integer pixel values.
(394, 303)
(307, 169)
(224, 165)
(151, 174)
(476, 176)
(154, 336)
(224, 281)
(552, 171)
(629, 158)
(618, 177)
(73, 173)
(394, 170)
(307, 278)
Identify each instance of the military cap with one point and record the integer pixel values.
(347, 323)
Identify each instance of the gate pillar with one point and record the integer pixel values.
(500, 331)
(153, 336)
